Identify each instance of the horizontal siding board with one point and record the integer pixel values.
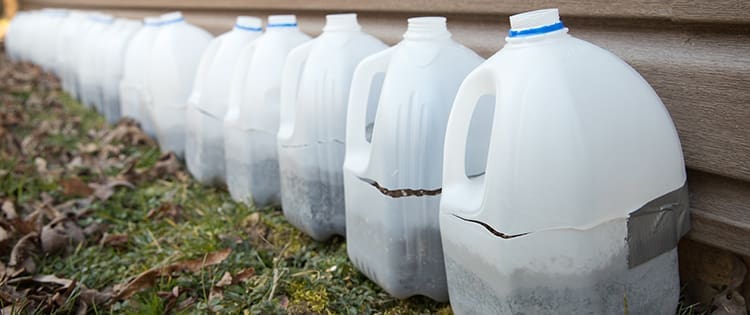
(720, 211)
(725, 11)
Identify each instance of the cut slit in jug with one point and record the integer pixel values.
(207, 105)
(584, 198)
(392, 180)
(172, 67)
(314, 99)
(252, 120)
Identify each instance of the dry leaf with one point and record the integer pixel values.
(225, 280)
(20, 256)
(168, 164)
(74, 186)
(104, 192)
(9, 211)
(729, 302)
(147, 279)
(65, 283)
(114, 240)
(166, 209)
(61, 235)
(244, 275)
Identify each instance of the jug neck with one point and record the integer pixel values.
(282, 23)
(535, 26)
(151, 21)
(427, 28)
(248, 24)
(342, 23)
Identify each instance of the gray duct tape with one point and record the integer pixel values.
(656, 227)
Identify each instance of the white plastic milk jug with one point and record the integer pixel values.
(392, 179)
(207, 105)
(112, 62)
(133, 89)
(314, 100)
(252, 120)
(174, 60)
(86, 69)
(584, 196)
(65, 43)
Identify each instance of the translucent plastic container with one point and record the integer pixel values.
(580, 145)
(133, 89)
(112, 63)
(315, 89)
(392, 180)
(208, 102)
(172, 67)
(65, 43)
(86, 67)
(252, 120)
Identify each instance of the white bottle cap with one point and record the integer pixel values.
(534, 19)
(249, 23)
(342, 22)
(287, 20)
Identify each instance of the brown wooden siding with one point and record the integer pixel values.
(695, 53)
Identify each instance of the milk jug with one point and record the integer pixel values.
(207, 105)
(70, 32)
(392, 178)
(133, 90)
(314, 99)
(174, 60)
(112, 67)
(252, 119)
(89, 51)
(583, 200)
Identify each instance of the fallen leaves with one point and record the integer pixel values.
(166, 209)
(75, 187)
(147, 278)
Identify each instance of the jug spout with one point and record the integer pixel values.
(428, 27)
(535, 23)
(248, 23)
(281, 22)
(171, 18)
(341, 22)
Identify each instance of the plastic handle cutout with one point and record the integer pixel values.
(292, 74)
(237, 87)
(202, 72)
(480, 82)
(359, 96)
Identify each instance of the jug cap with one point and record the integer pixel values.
(427, 27)
(287, 20)
(171, 17)
(535, 23)
(249, 23)
(341, 22)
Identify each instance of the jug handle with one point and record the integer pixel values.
(459, 191)
(358, 99)
(293, 67)
(237, 86)
(206, 60)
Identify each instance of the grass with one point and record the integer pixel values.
(292, 273)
